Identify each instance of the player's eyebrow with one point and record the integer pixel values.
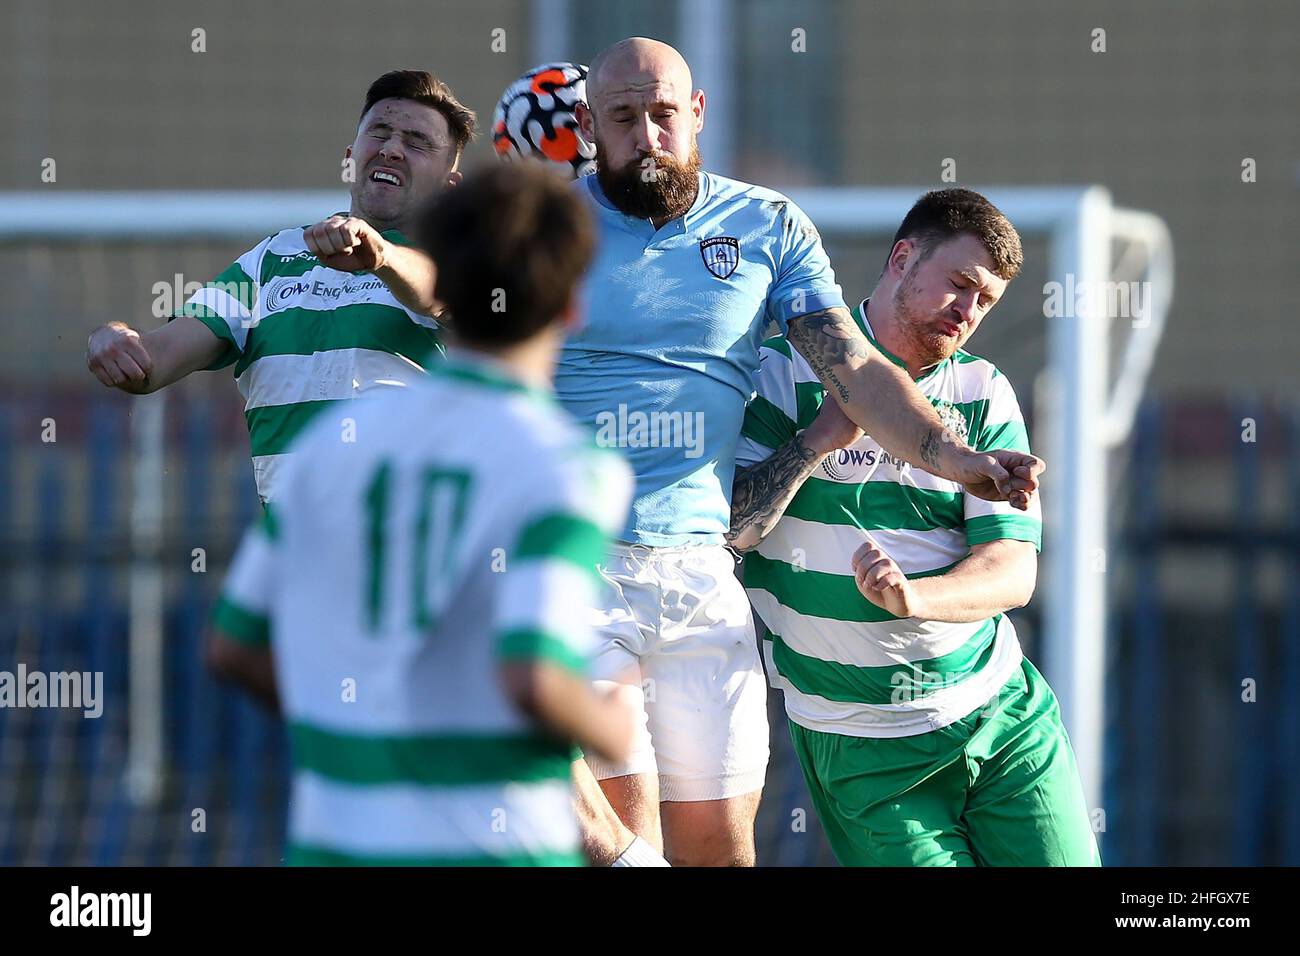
(972, 278)
(629, 101)
(412, 133)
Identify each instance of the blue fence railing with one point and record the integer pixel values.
(63, 788)
(1203, 736)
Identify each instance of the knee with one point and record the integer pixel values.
(723, 846)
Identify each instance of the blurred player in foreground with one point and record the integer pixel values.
(925, 735)
(297, 315)
(536, 118)
(425, 587)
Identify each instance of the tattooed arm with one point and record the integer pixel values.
(879, 397)
(762, 492)
(874, 392)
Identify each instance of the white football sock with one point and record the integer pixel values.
(640, 853)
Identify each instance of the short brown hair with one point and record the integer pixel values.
(947, 213)
(424, 87)
(510, 243)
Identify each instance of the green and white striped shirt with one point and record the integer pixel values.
(393, 577)
(304, 337)
(845, 665)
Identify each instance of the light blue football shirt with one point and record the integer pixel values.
(664, 365)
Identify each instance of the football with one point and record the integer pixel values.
(536, 117)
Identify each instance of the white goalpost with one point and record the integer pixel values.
(1092, 411)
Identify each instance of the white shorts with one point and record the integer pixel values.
(675, 623)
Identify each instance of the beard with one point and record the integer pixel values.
(926, 344)
(652, 187)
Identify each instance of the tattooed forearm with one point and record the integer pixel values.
(930, 450)
(763, 492)
(878, 396)
(827, 339)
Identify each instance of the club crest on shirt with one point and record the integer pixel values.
(953, 419)
(721, 255)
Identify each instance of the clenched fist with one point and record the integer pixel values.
(1001, 475)
(117, 357)
(347, 243)
(883, 584)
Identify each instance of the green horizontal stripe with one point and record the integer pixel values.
(877, 506)
(433, 759)
(527, 644)
(818, 593)
(565, 537)
(300, 331)
(241, 624)
(237, 283)
(301, 855)
(985, 528)
(766, 424)
(808, 398)
(779, 343)
(272, 428)
(887, 684)
(274, 268)
(1007, 435)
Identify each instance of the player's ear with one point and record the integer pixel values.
(586, 121)
(455, 177)
(904, 251)
(697, 107)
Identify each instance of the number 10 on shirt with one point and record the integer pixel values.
(441, 499)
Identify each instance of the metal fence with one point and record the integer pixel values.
(1204, 720)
